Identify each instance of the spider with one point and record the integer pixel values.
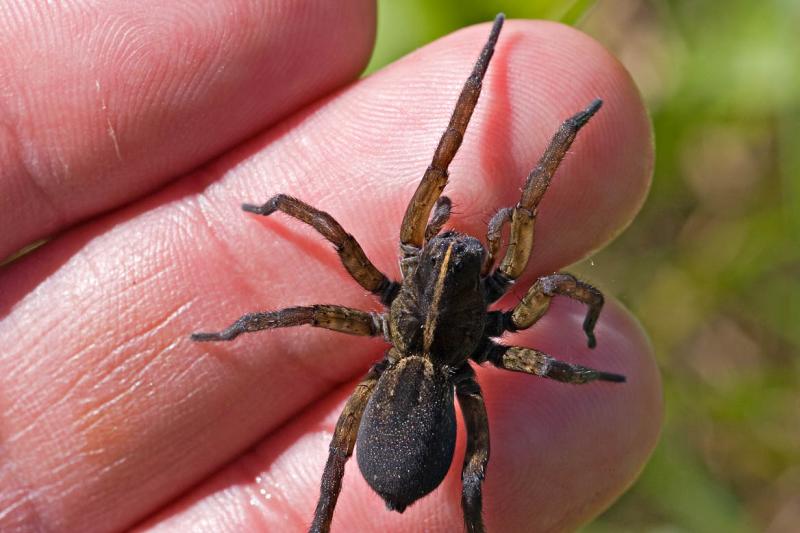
(401, 417)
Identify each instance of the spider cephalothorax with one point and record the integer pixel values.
(401, 416)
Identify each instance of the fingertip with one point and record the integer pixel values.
(584, 444)
(541, 74)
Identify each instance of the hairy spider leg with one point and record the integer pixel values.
(538, 363)
(333, 317)
(341, 448)
(537, 300)
(415, 221)
(440, 216)
(494, 234)
(523, 215)
(350, 252)
(476, 457)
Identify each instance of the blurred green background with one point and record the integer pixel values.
(712, 264)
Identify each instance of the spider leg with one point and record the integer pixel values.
(538, 363)
(350, 252)
(412, 231)
(341, 448)
(441, 214)
(493, 235)
(523, 216)
(334, 317)
(537, 300)
(476, 457)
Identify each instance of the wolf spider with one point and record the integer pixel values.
(401, 415)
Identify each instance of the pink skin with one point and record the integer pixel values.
(108, 102)
(109, 412)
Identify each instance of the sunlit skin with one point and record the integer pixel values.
(112, 418)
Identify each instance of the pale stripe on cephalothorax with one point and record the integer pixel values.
(433, 313)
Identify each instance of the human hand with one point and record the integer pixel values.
(110, 412)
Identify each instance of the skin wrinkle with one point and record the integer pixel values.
(109, 127)
(24, 398)
(63, 468)
(205, 205)
(82, 379)
(88, 421)
(142, 362)
(16, 151)
(33, 423)
(25, 496)
(22, 373)
(40, 516)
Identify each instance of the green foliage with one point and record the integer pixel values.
(712, 264)
(404, 25)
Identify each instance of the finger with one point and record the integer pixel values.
(560, 453)
(102, 105)
(101, 350)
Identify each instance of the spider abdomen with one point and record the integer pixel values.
(408, 432)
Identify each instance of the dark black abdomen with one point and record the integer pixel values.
(408, 432)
